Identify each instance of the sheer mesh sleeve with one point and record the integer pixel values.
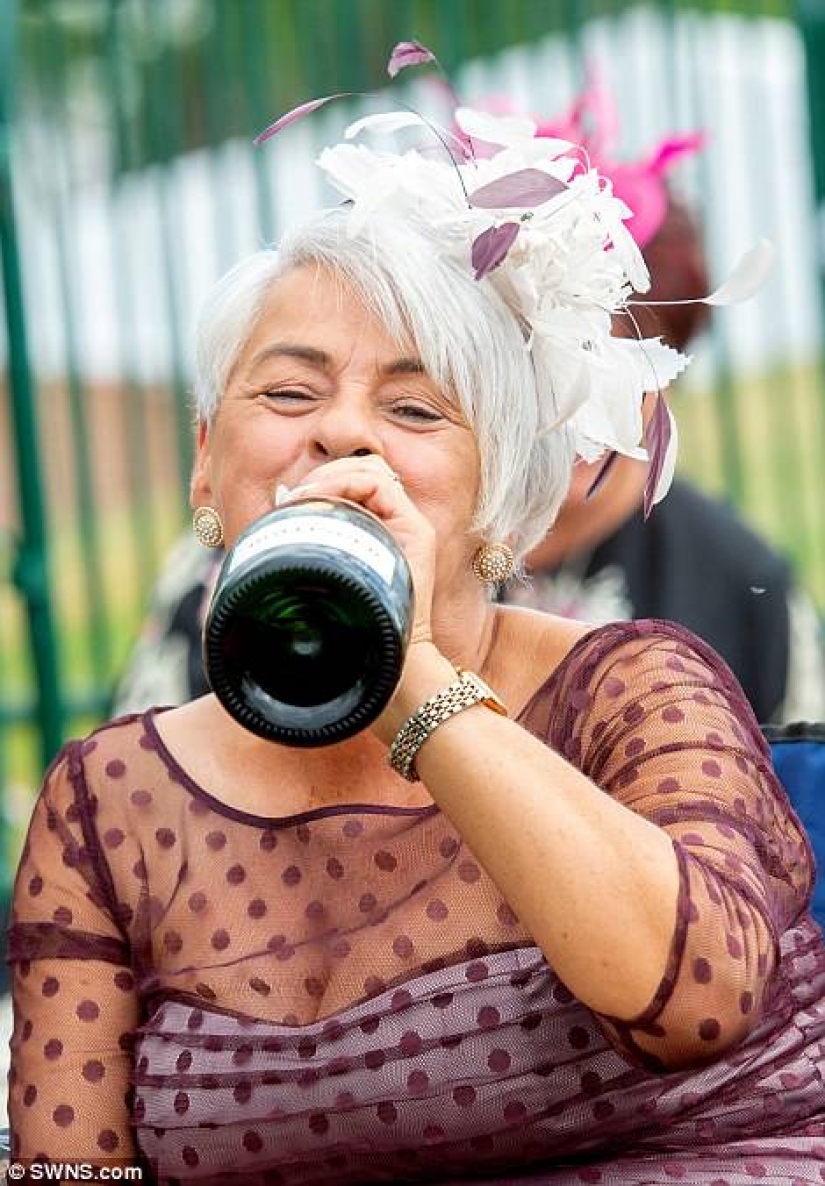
(656, 718)
(74, 998)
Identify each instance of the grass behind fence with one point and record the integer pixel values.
(779, 418)
(20, 767)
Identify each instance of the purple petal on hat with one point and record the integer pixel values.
(491, 247)
(295, 114)
(408, 53)
(657, 439)
(525, 187)
(604, 470)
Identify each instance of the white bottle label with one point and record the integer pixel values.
(318, 529)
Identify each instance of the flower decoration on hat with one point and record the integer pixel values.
(532, 217)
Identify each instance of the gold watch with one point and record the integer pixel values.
(468, 690)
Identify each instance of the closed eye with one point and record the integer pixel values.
(289, 395)
(416, 412)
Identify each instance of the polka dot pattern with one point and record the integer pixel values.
(355, 977)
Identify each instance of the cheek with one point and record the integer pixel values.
(466, 486)
(247, 468)
(257, 451)
(446, 489)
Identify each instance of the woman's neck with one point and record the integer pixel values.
(465, 629)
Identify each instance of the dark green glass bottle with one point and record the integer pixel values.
(309, 622)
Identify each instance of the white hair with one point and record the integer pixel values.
(469, 342)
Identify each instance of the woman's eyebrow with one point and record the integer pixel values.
(319, 358)
(310, 354)
(404, 366)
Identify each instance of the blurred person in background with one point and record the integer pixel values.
(568, 943)
(166, 664)
(693, 560)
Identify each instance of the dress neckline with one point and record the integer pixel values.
(273, 823)
(270, 822)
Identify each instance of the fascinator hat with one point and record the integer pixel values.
(528, 213)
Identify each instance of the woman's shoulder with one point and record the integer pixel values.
(572, 658)
(623, 679)
(548, 641)
(86, 761)
(625, 641)
(124, 731)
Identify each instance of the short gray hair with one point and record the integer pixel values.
(468, 340)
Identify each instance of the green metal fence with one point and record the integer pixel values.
(127, 182)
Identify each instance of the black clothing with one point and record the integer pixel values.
(695, 562)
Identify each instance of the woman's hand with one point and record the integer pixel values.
(370, 482)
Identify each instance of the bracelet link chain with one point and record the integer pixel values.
(464, 692)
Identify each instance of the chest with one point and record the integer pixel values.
(319, 780)
(297, 920)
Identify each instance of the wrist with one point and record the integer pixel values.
(426, 671)
(467, 690)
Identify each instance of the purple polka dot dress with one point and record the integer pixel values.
(344, 997)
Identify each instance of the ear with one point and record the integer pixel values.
(200, 483)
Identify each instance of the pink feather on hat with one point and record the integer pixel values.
(592, 122)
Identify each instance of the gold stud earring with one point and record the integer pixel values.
(493, 563)
(207, 526)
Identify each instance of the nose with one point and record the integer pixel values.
(345, 429)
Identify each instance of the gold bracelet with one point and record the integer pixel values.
(467, 690)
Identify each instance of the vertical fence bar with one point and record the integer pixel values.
(62, 193)
(258, 95)
(786, 427)
(216, 58)
(724, 389)
(680, 95)
(8, 729)
(31, 567)
(163, 143)
(451, 34)
(123, 152)
(574, 20)
(811, 15)
(346, 34)
(312, 78)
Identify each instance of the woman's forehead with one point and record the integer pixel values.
(314, 308)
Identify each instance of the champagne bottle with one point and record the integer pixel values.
(308, 625)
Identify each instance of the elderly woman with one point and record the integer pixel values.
(571, 945)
